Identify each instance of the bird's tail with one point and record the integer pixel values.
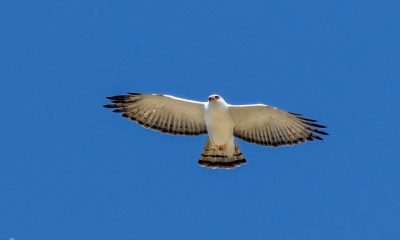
(214, 157)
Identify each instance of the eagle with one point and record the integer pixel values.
(255, 123)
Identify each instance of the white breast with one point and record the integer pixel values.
(219, 123)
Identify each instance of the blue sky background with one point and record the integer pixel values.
(70, 169)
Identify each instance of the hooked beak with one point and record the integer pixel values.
(212, 98)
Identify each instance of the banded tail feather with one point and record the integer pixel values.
(212, 157)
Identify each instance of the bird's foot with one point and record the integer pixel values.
(221, 147)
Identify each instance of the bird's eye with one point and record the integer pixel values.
(217, 97)
(209, 98)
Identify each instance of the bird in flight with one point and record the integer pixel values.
(256, 123)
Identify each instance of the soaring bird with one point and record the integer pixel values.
(256, 123)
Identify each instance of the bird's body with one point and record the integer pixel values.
(257, 123)
(219, 123)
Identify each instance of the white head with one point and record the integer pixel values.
(215, 99)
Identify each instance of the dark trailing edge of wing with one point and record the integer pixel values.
(276, 142)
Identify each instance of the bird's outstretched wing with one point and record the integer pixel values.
(162, 112)
(267, 125)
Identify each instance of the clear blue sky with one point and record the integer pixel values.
(70, 169)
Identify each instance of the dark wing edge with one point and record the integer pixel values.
(313, 127)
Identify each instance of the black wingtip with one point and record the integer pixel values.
(316, 125)
(117, 97)
(296, 114)
(320, 132)
(307, 119)
(134, 93)
(317, 137)
(317, 131)
(109, 106)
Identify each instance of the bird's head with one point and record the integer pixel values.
(214, 98)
